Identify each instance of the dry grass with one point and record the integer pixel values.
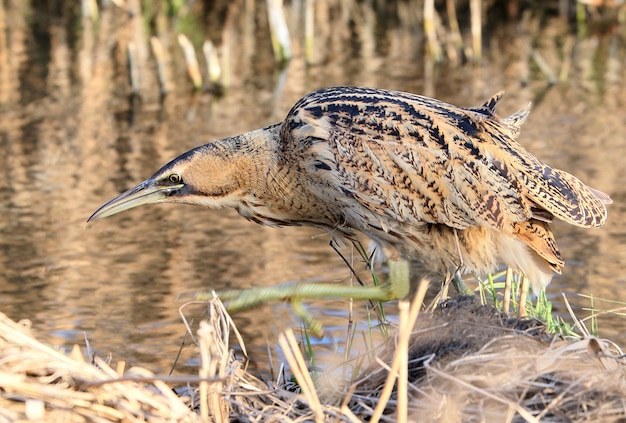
(470, 362)
(460, 362)
(38, 383)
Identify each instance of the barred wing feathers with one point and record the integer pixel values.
(416, 159)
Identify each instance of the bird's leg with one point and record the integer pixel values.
(398, 281)
(378, 306)
(457, 279)
(445, 287)
(459, 284)
(361, 251)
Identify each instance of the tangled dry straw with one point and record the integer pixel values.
(466, 362)
(38, 383)
(469, 362)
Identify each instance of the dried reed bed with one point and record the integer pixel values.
(470, 362)
(38, 383)
(461, 361)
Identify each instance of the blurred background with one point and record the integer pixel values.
(96, 95)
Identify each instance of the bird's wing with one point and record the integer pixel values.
(413, 158)
(559, 192)
(417, 159)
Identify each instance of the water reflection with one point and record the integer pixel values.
(70, 139)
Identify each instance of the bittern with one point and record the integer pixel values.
(427, 180)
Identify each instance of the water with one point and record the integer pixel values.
(71, 138)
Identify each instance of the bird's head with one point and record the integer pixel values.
(208, 176)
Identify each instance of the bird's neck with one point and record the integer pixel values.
(270, 186)
(253, 155)
(249, 160)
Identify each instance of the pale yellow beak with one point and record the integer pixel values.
(148, 192)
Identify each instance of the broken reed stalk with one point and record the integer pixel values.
(429, 29)
(89, 9)
(403, 371)
(159, 57)
(133, 68)
(581, 19)
(401, 354)
(568, 52)
(226, 71)
(544, 67)
(289, 345)
(454, 24)
(214, 69)
(279, 32)
(214, 356)
(309, 31)
(193, 68)
(476, 18)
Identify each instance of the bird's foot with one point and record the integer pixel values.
(460, 286)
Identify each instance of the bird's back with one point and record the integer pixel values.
(405, 166)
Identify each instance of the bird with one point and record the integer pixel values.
(448, 186)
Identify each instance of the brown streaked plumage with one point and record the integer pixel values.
(447, 185)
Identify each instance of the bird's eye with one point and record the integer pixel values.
(175, 178)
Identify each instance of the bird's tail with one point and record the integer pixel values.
(554, 190)
(565, 196)
(539, 237)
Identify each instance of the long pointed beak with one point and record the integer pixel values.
(148, 192)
